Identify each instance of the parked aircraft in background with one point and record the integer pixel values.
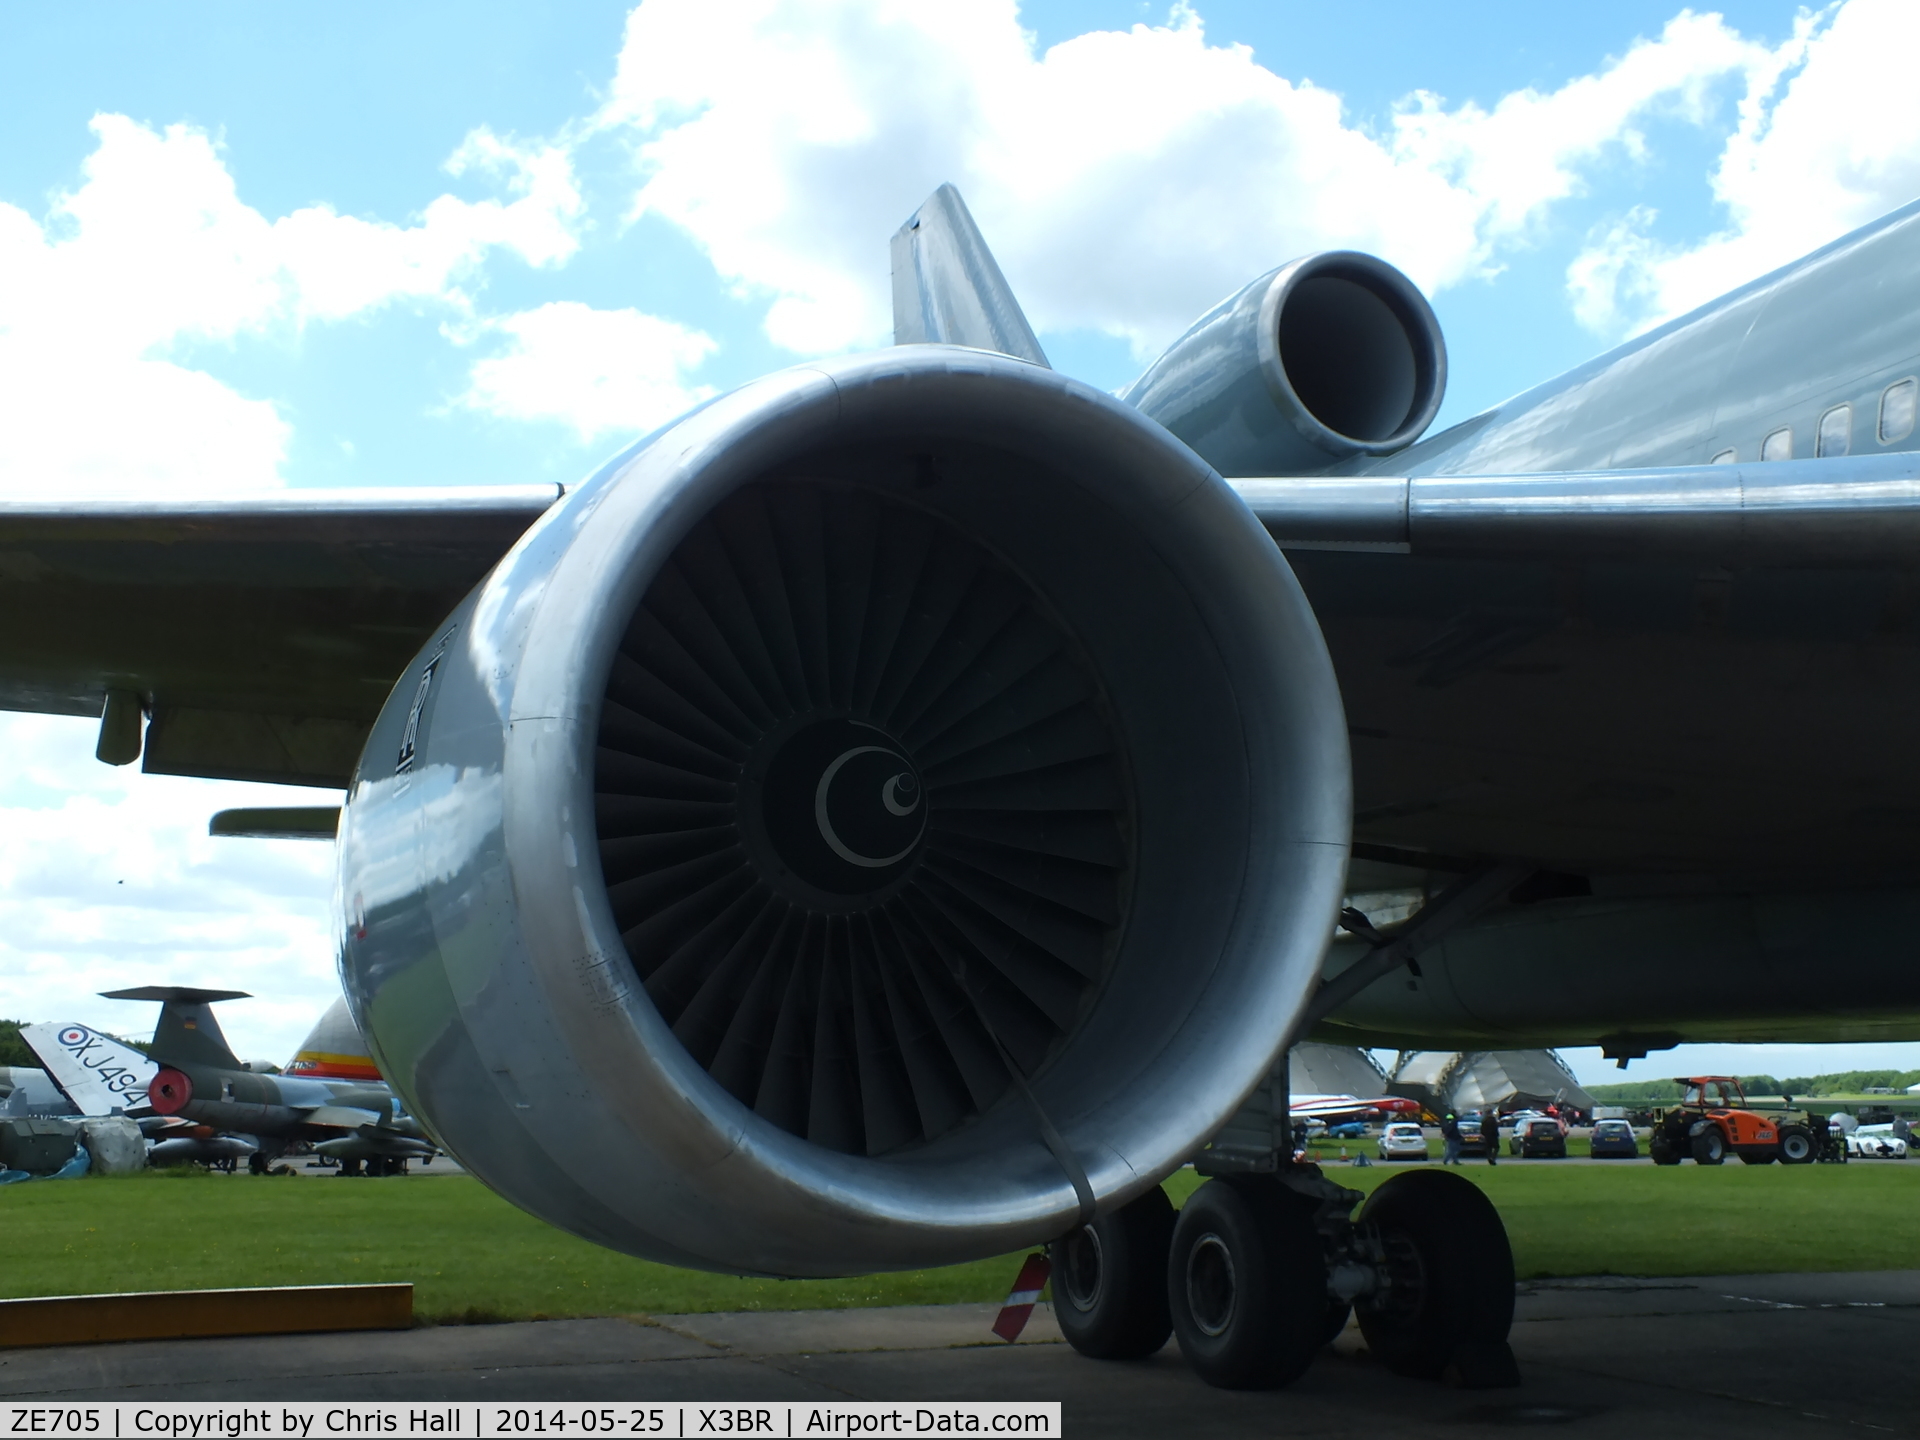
(99, 1074)
(1334, 1108)
(27, 1093)
(896, 814)
(198, 1101)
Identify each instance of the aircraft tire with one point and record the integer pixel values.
(1796, 1145)
(1247, 1284)
(1709, 1147)
(1109, 1281)
(1452, 1304)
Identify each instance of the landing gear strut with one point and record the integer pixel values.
(1268, 1260)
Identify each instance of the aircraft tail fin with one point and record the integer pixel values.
(187, 1033)
(334, 1049)
(947, 287)
(98, 1073)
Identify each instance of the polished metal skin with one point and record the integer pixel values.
(1795, 512)
(1329, 357)
(1833, 328)
(947, 287)
(1633, 973)
(478, 942)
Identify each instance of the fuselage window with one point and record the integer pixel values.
(1778, 445)
(1725, 457)
(1896, 410)
(1835, 436)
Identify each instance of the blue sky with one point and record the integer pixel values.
(488, 242)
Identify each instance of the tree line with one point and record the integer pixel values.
(1842, 1082)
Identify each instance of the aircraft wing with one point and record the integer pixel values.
(1848, 509)
(96, 1072)
(261, 635)
(1327, 1107)
(347, 1117)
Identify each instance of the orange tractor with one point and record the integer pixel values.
(1712, 1121)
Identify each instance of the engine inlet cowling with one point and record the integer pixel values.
(1329, 357)
(893, 761)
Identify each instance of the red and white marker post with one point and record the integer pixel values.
(1027, 1286)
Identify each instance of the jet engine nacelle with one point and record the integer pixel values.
(899, 806)
(1329, 357)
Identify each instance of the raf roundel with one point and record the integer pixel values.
(72, 1036)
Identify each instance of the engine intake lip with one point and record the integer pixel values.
(1352, 353)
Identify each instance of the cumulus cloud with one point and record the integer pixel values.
(1126, 179)
(155, 249)
(108, 879)
(599, 371)
(1828, 138)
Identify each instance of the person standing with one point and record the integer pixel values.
(1490, 1128)
(1450, 1134)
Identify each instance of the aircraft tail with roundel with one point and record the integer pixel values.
(99, 1074)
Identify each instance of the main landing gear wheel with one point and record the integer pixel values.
(1247, 1284)
(1796, 1145)
(1450, 1305)
(1709, 1147)
(1110, 1281)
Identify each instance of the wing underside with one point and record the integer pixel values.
(261, 635)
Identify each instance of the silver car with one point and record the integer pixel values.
(1403, 1140)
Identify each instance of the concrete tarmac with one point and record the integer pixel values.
(1725, 1356)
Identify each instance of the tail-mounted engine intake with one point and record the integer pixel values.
(1333, 356)
(897, 806)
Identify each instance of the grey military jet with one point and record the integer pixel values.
(899, 812)
(257, 1116)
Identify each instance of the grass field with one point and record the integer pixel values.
(471, 1256)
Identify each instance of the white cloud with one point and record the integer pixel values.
(1126, 180)
(1828, 139)
(109, 879)
(155, 248)
(599, 371)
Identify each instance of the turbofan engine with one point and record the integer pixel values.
(1330, 357)
(877, 822)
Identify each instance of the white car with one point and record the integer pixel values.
(1403, 1140)
(1876, 1142)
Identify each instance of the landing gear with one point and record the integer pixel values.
(1448, 1303)
(349, 1167)
(1247, 1283)
(256, 1164)
(1110, 1281)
